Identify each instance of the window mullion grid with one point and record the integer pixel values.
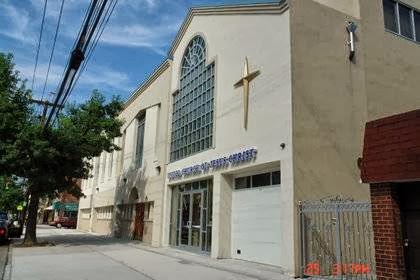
(271, 178)
(413, 25)
(397, 10)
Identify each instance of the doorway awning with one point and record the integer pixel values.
(65, 206)
(391, 151)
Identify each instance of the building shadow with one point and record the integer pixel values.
(130, 191)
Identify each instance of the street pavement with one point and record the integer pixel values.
(87, 256)
(3, 258)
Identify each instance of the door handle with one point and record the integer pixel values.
(188, 224)
(406, 242)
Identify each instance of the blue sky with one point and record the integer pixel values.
(135, 41)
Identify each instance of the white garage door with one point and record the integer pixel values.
(256, 224)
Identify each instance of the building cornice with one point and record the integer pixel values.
(144, 85)
(277, 7)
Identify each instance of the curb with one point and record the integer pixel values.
(7, 275)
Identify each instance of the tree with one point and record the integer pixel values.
(15, 112)
(52, 159)
(11, 194)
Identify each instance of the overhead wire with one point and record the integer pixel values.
(89, 36)
(108, 13)
(53, 47)
(39, 44)
(76, 57)
(102, 27)
(78, 34)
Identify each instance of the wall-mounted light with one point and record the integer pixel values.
(158, 169)
(351, 29)
(156, 164)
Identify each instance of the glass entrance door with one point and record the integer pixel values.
(191, 219)
(196, 219)
(185, 219)
(191, 216)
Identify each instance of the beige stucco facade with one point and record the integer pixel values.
(337, 97)
(307, 111)
(116, 177)
(273, 86)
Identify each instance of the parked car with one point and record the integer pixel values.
(15, 227)
(4, 232)
(69, 221)
(4, 216)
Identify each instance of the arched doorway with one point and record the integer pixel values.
(134, 195)
(139, 215)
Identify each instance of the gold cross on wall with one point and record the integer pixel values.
(244, 82)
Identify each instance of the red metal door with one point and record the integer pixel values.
(139, 222)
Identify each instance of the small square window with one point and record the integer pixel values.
(276, 178)
(417, 25)
(242, 183)
(390, 15)
(261, 180)
(406, 25)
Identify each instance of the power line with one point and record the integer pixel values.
(76, 58)
(53, 47)
(109, 11)
(39, 44)
(78, 35)
(96, 39)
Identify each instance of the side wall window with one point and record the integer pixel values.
(401, 19)
(390, 15)
(140, 141)
(104, 155)
(258, 180)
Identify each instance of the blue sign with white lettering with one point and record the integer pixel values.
(216, 164)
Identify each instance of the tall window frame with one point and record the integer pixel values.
(401, 19)
(141, 120)
(111, 164)
(104, 155)
(193, 103)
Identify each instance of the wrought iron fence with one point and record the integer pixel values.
(337, 240)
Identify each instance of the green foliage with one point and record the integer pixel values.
(15, 112)
(52, 159)
(11, 194)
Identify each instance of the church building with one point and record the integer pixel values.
(256, 108)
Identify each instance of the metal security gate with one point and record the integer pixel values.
(337, 240)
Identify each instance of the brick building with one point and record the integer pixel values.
(391, 164)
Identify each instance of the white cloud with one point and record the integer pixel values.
(138, 5)
(147, 24)
(26, 71)
(133, 23)
(17, 24)
(156, 37)
(101, 77)
(94, 77)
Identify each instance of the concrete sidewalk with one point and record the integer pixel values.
(4, 249)
(80, 255)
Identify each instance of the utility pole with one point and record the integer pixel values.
(45, 104)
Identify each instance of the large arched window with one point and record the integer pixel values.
(192, 114)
